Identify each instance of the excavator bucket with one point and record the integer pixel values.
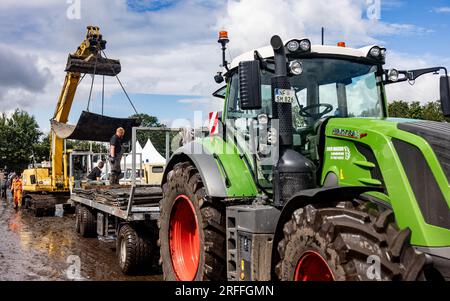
(94, 127)
(90, 65)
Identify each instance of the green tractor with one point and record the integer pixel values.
(308, 178)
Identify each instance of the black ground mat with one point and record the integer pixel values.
(94, 127)
(118, 197)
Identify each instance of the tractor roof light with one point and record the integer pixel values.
(296, 67)
(295, 46)
(341, 44)
(375, 52)
(305, 45)
(378, 53)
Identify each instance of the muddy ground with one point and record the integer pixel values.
(47, 248)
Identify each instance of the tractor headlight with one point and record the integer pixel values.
(296, 67)
(299, 45)
(393, 75)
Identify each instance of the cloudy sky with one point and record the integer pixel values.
(169, 53)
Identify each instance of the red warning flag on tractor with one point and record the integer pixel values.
(213, 123)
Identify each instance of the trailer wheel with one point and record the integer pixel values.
(346, 243)
(78, 218)
(135, 250)
(192, 228)
(88, 224)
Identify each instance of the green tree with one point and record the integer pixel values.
(18, 134)
(398, 108)
(42, 149)
(430, 111)
(158, 138)
(415, 110)
(433, 111)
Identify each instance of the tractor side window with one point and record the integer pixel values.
(234, 110)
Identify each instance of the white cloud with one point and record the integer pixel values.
(172, 51)
(439, 10)
(425, 88)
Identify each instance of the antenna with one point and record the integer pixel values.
(323, 36)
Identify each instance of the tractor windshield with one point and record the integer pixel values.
(326, 87)
(333, 87)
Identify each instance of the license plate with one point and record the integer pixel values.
(284, 96)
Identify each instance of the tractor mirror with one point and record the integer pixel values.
(250, 85)
(445, 95)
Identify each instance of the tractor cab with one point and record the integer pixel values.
(326, 82)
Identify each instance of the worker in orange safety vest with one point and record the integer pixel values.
(17, 191)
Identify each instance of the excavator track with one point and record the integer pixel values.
(44, 204)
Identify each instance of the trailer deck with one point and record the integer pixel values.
(128, 203)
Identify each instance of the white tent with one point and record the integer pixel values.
(128, 159)
(151, 156)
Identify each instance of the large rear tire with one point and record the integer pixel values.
(346, 243)
(192, 228)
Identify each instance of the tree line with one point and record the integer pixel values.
(22, 142)
(415, 110)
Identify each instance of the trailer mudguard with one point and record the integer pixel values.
(314, 196)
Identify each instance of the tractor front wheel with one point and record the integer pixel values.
(346, 243)
(192, 228)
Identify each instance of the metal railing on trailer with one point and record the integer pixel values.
(132, 213)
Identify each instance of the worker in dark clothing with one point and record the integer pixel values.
(96, 173)
(115, 156)
(3, 185)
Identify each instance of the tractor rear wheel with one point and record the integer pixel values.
(346, 243)
(192, 228)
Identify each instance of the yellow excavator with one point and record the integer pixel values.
(47, 184)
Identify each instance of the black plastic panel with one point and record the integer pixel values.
(375, 173)
(437, 134)
(426, 190)
(250, 85)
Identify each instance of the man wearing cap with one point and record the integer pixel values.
(115, 156)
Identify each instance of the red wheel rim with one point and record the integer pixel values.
(313, 267)
(184, 239)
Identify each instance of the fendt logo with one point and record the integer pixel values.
(348, 133)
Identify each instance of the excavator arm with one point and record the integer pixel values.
(87, 59)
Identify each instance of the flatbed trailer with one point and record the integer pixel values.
(133, 228)
(124, 214)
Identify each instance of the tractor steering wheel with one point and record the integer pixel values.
(316, 116)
